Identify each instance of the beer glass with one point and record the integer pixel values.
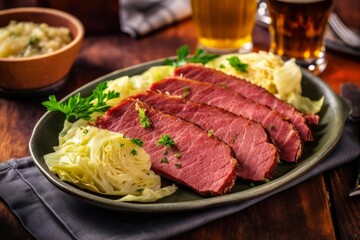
(224, 26)
(297, 31)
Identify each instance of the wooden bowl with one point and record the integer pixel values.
(42, 71)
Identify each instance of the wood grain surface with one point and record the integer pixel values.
(319, 208)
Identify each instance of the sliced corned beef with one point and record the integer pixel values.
(252, 91)
(283, 134)
(256, 156)
(198, 161)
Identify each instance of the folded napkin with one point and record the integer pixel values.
(48, 213)
(139, 17)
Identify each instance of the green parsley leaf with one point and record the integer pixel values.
(182, 57)
(165, 140)
(134, 152)
(137, 141)
(185, 92)
(236, 63)
(34, 41)
(77, 107)
(266, 180)
(164, 160)
(144, 120)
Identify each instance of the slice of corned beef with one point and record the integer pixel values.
(283, 133)
(256, 156)
(252, 91)
(196, 160)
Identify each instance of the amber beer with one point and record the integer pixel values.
(224, 25)
(297, 30)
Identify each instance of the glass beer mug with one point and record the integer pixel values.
(224, 26)
(297, 31)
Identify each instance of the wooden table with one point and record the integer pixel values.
(319, 208)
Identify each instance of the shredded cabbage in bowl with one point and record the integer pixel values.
(105, 162)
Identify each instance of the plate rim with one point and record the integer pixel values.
(226, 199)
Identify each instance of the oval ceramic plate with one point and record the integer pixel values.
(327, 134)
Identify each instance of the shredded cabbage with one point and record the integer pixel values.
(105, 162)
(270, 72)
(128, 86)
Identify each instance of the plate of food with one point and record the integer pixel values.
(188, 133)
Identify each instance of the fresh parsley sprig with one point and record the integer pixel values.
(137, 141)
(182, 57)
(236, 63)
(144, 121)
(165, 140)
(77, 107)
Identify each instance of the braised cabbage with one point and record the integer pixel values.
(105, 162)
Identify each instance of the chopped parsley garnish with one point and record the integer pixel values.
(85, 131)
(210, 132)
(185, 92)
(165, 140)
(77, 107)
(177, 155)
(137, 141)
(182, 57)
(272, 127)
(236, 63)
(134, 152)
(34, 41)
(164, 160)
(178, 165)
(144, 120)
(266, 180)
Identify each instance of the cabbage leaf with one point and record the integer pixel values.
(105, 162)
(128, 86)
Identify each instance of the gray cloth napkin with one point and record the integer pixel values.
(139, 17)
(48, 213)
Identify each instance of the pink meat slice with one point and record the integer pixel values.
(257, 157)
(198, 161)
(254, 92)
(285, 137)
